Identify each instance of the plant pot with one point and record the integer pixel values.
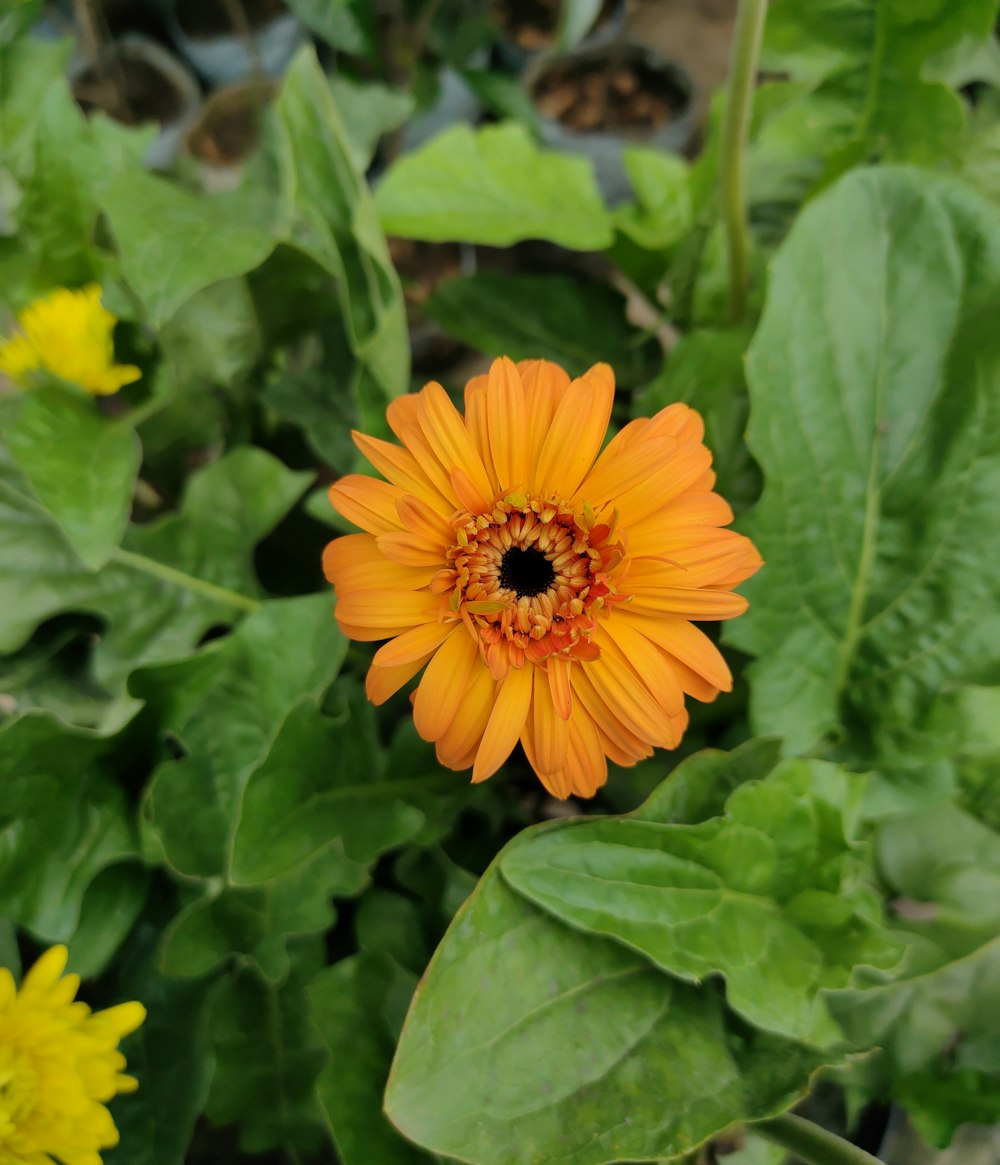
(227, 131)
(529, 29)
(596, 102)
(157, 87)
(422, 268)
(204, 34)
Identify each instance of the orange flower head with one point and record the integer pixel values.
(546, 588)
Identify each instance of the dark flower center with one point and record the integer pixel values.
(527, 572)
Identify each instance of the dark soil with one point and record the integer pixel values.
(230, 129)
(203, 19)
(121, 16)
(532, 24)
(128, 90)
(607, 93)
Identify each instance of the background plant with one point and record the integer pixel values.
(196, 797)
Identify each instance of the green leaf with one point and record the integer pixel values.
(492, 1074)
(662, 213)
(227, 706)
(332, 21)
(63, 819)
(197, 241)
(875, 52)
(325, 780)
(767, 896)
(936, 1019)
(58, 212)
(170, 1057)
(368, 111)
(493, 186)
(110, 906)
(552, 317)
(358, 1007)
(28, 69)
(257, 923)
(81, 466)
(326, 210)
(267, 1059)
(228, 506)
(875, 416)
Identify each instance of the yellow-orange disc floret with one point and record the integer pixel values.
(546, 588)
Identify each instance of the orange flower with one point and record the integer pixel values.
(547, 586)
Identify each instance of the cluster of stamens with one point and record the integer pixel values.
(529, 577)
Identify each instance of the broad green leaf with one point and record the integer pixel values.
(110, 906)
(81, 466)
(326, 780)
(368, 111)
(977, 752)
(64, 819)
(58, 212)
(28, 69)
(576, 324)
(936, 1019)
(875, 52)
(391, 924)
(324, 209)
(527, 1041)
(875, 417)
(768, 896)
(267, 1057)
(213, 338)
(333, 21)
(493, 186)
(662, 213)
(197, 241)
(257, 923)
(326, 418)
(169, 1055)
(227, 706)
(358, 1007)
(150, 616)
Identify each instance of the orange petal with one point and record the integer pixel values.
(622, 689)
(684, 642)
(575, 435)
(413, 550)
(586, 766)
(401, 468)
(420, 518)
(367, 502)
(447, 435)
(549, 732)
(661, 487)
(475, 422)
(627, 742)
(443, 684)
(646, 658)
(354, 562)
(417, 643)
(383, 682)
(506, 721)
(701, 603)
(545, 384)
(560, 686)
(507, 423)
(457, 748)
(390, 612)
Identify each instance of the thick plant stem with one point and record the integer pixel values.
(747, 36)
(187, 581)
(810, 1142)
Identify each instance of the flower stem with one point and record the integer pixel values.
(747, 36)
(188, 581)
(810, 1142)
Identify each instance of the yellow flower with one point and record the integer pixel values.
(59, 1065)
(547, 586)
(67, 333)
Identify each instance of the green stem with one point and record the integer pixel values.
(747, 36)
(812, 1143)
(188, 581)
